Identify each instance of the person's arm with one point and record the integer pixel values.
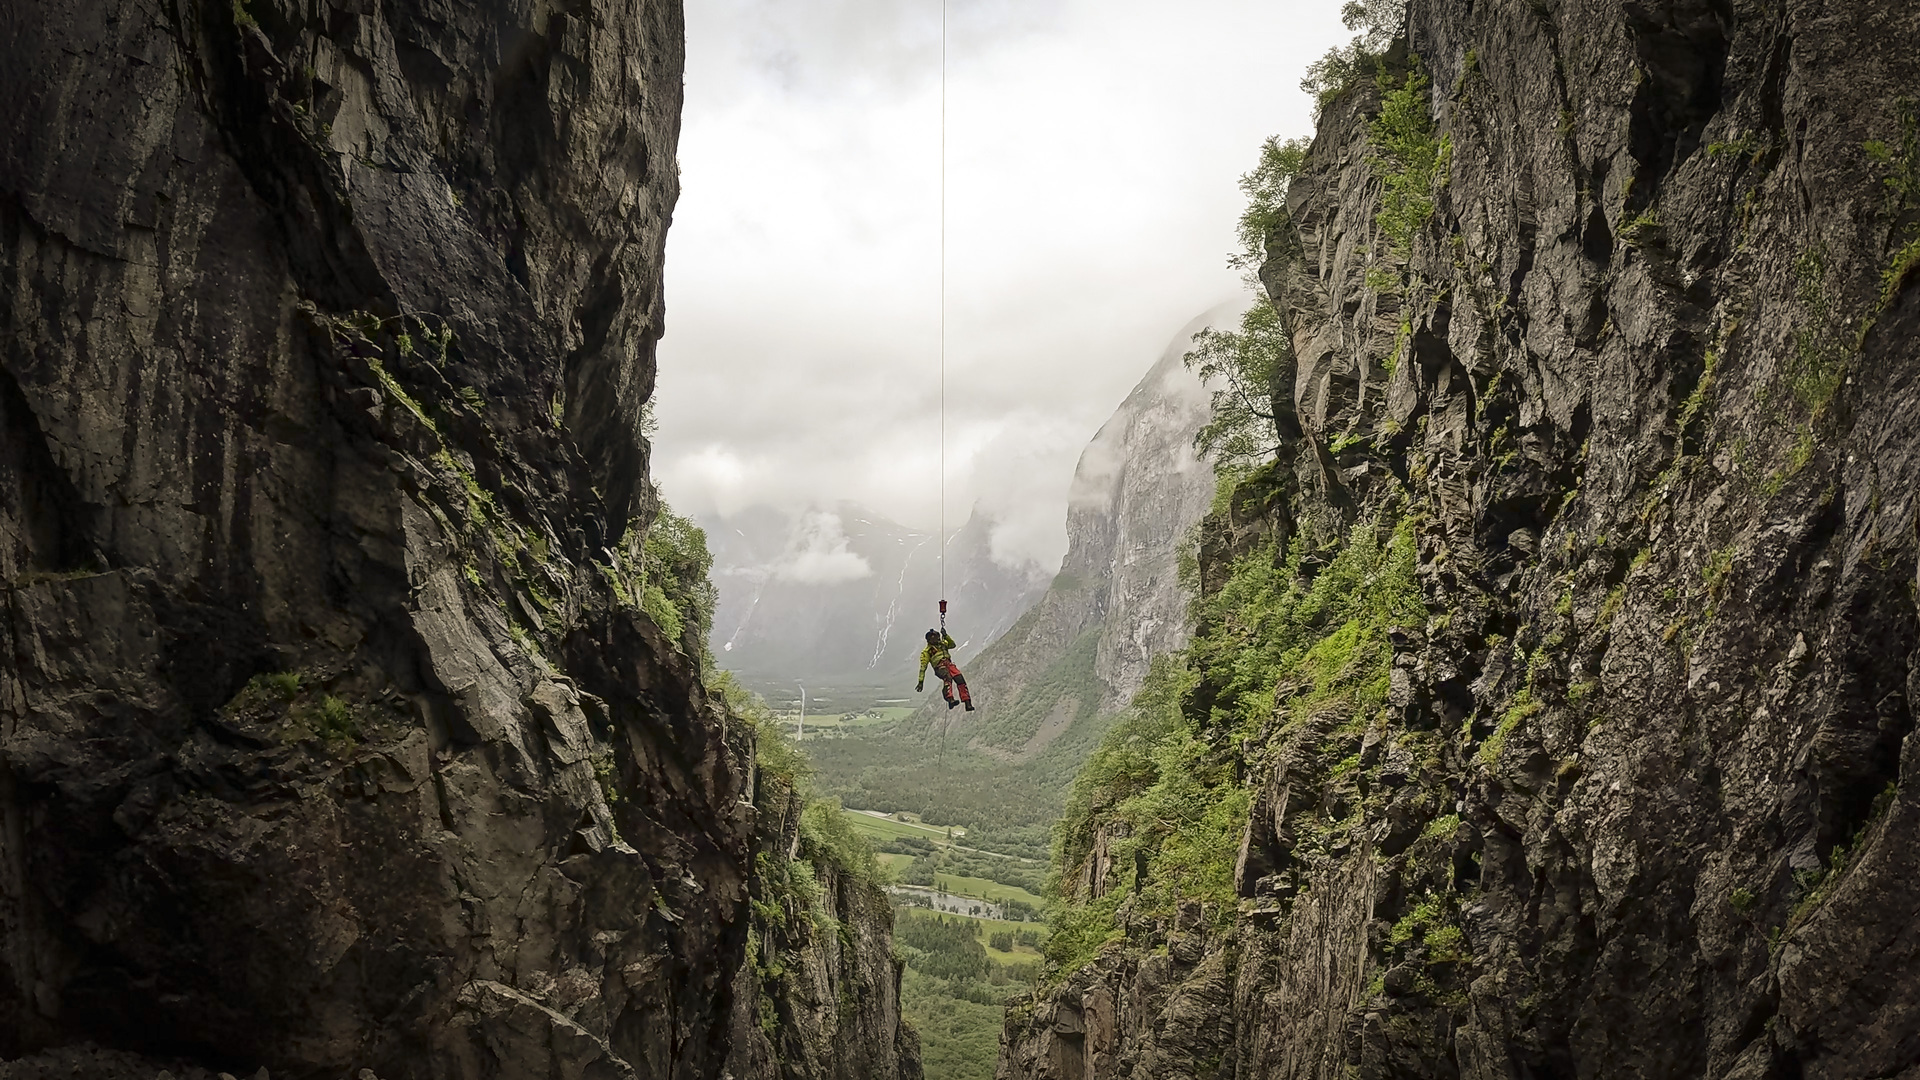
(947, 640)
(926, 657)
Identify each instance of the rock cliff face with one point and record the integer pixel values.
(1639, 393)
(819, 997)
(1117, 602)
(331, 734)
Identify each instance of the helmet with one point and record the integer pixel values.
(933, 635)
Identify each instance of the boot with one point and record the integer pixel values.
(969, 706)
(952, 704)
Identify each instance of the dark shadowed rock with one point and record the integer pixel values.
(332, 738)
(1642, 801)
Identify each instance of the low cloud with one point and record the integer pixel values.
(1092, 153)
(819, 554)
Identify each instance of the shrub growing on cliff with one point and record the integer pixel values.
(1377, 23)
(1409, 158)
(1245, 369)
(675, 563)
(333, 719)
(1266, 191)
(826, 835)
(1325, 632)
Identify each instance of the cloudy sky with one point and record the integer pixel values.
(1092, 153)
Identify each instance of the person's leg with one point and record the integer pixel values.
(961, 680)
(945, 671)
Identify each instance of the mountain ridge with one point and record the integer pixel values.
(844, 593)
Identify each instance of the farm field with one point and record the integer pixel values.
(836, 723)
(972, 887)
(880, 831)
(988, 928)
(886, 828)
(984, 889)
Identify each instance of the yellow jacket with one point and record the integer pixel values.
(933, 654)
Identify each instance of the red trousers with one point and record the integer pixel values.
(949, 678)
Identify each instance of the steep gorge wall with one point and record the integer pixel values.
(331, 734)
(1640, 394)
(819, 996)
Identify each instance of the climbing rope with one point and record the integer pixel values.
(941, 550)
(943, 316)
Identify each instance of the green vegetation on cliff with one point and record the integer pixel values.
(793, 899)
(676, 592)
(1409, 156)
(1157, 813)
(1376, 24)
(1266, 191)
(1245, 367)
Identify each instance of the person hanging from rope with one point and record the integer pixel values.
(938, 654)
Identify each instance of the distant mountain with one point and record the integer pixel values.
(1048, 685)
(845, 595)
(1084, 647)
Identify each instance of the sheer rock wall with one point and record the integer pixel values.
(819, 996)
(331, 737)
(1643, 801)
